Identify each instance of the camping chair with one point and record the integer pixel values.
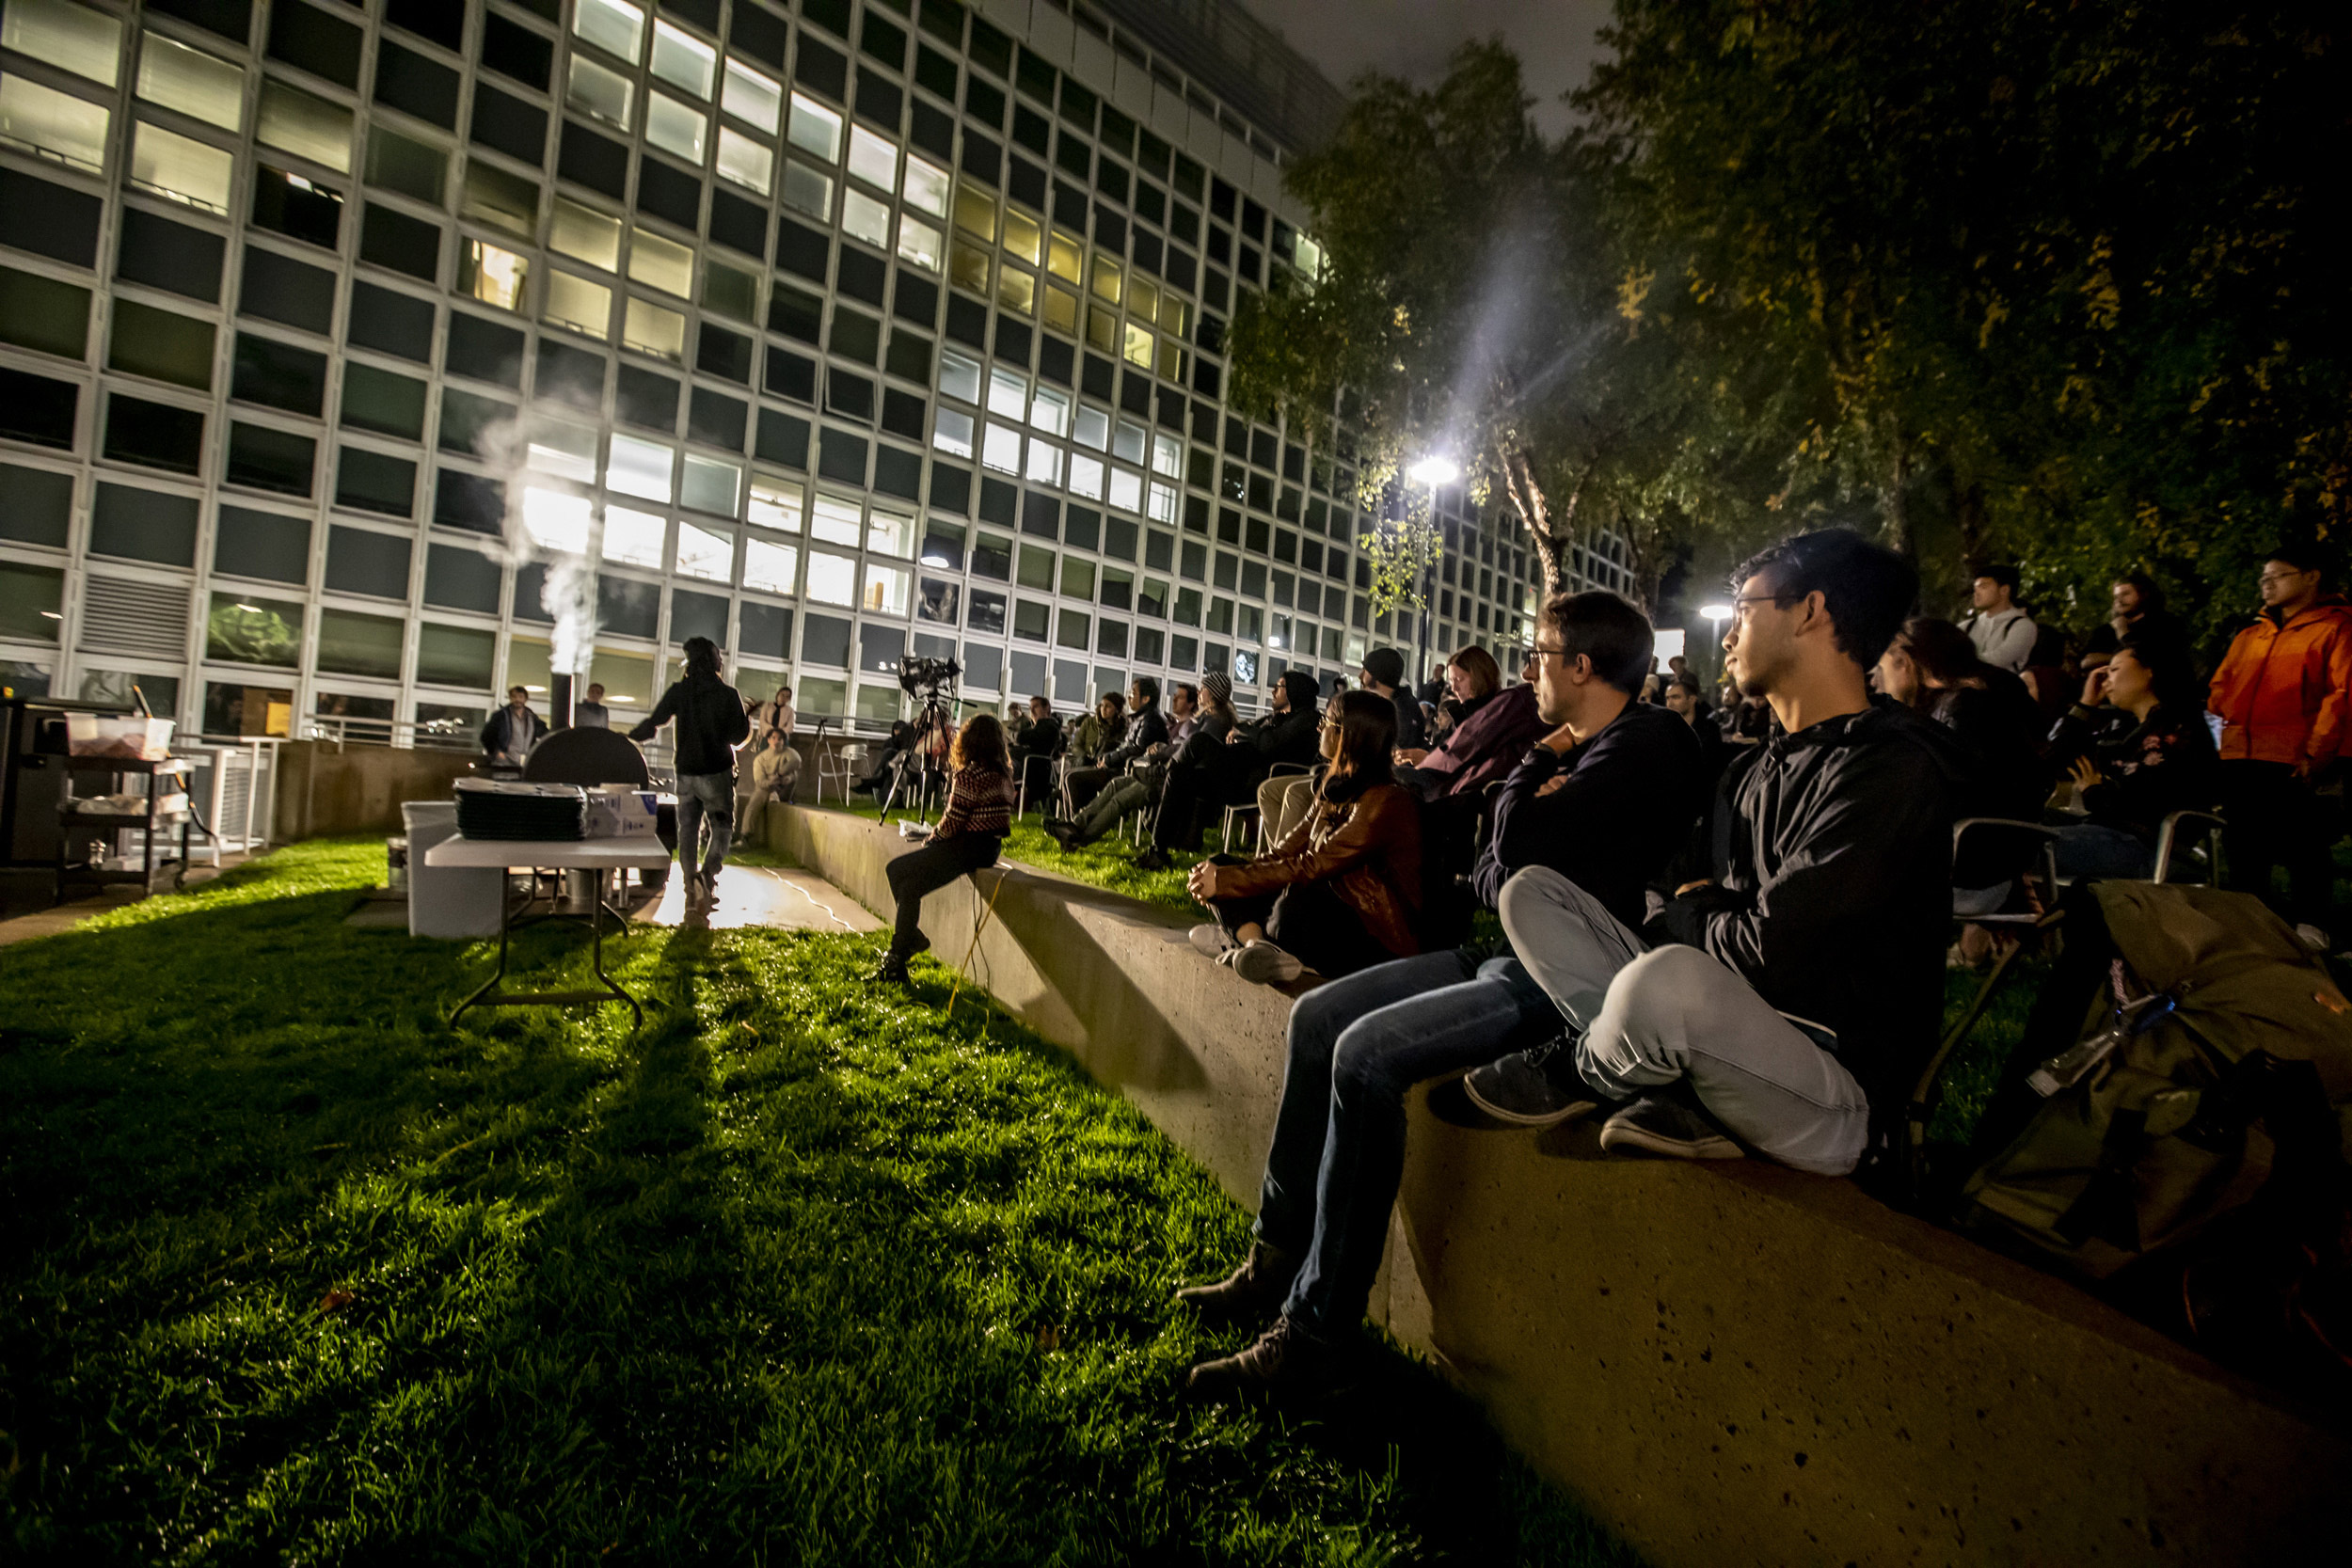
(2207, 825)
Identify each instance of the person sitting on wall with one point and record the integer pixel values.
(970, 835)
(1494, 725)
(1282, 799)
(776, 769)
(511, 731)
(1604, 800)
(1342, 890)
(1229, 774)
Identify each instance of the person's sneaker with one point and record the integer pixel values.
(1154, 860)
(2312, 937)
(1252, 1293)
(1213, 941)
(1536, 1087)
(1262, 963)
(892, 970)
(710, 887)
(1286, 1362)
(1671, 1123)
(1061, 831)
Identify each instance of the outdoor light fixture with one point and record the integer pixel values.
(1718, 613)
(249, 609)
(1434, 471)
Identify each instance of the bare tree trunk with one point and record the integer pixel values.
(1968, 511)
(1897, 505)
(1551, 536)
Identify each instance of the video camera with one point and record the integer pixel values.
(917, 675)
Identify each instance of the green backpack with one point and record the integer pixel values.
(2209, 1078)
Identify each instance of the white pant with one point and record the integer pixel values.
(1653, 1015)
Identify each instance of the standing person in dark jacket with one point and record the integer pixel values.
(2137, 612)
(2143, 756)
(1228, 774)
(710, 724)
(970, 835)
(512, 730)
(1605, 797)
(1787, 1001)
(1147, 727)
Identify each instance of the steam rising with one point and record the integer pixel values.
(549, 525)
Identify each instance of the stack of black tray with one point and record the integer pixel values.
(511, 812)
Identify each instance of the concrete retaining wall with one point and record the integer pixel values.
(1728, 1363)
(324, 790)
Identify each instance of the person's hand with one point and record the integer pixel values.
(1232, 736)
(1203, 882)
(2095, 686)
(1689, 888)
(1411, 756)
(1550, 785)
(2086, 772)
(2305, 769)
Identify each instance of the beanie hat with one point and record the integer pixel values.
(1218, 685)
(1385, 666)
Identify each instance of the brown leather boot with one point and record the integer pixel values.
(1252, 1293)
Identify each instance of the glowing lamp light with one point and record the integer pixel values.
(1434, 471)
(1718, 613)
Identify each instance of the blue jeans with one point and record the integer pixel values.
(1356, 1046)
(701, 796)
(2091, 850)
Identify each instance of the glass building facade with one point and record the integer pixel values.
(835, 332)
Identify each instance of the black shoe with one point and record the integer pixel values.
(1538, 1088)
(892, 970)
(1061, 831)
(1672, 1123)
(1252, 1293)
(1286, 1362)
(1154, 858)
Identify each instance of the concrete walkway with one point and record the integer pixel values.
(755, 896)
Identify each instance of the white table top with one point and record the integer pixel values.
(503, 854)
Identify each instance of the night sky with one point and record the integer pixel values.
(1412, 37)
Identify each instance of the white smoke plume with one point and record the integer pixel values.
(549, 525)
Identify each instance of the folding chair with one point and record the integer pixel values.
(2208, 827)
(839, 766)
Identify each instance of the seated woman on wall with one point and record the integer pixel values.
(2144, 755)
(970, 835)
(1492, 730)
(1342, 892)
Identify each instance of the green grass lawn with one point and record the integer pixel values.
(801, 1274)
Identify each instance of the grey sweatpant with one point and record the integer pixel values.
(1652, 1015)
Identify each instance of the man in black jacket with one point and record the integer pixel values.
(1384, 672)
(1784, 1004)
(1033, 759)
(1147, 727)
(710, 724)
(1604, 800)
(512, 730)
(1229, 774)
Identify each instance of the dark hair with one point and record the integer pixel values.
(2171, 671)
(2000, 572)
(1041, 698)
(1604, 628)
(1367, 722)
(1147, 691)
(1118, 701)
(982, 742)
(702, 657)
(1185, 689)
(1688, 683)
(2301, 554)
(1303, 691)
(1480, 665)
(2151, 597)
(1866, 588)
(1941, 650)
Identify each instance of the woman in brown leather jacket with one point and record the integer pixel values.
(1342, 891)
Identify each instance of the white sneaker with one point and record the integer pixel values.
(2312, 937)
(1213, 941)
(1263, 963)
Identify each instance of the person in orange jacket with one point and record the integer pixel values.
(2282, 694)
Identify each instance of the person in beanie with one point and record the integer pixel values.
(710, 724)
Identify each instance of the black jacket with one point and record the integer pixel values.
(2148, 771)
(1043, 740)
(1411, 733)
(1147, 727)
(1288, 736)
(1832, 851)
(504, 733)
(711, 723)
(1631, 795)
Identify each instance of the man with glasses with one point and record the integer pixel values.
(1782, 1003)
(2281, 697)
(1603, 802)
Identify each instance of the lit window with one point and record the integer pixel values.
(951, 432)
(1172, 361)
(926, 188)
(613, 24)
(1045, 462)
(599, 92)
(1127, 442)
(1023, 235)
(1142, 299)
(959, 376)
(676, 127)
(683, 60)
(746, 161)
(1307, 257)
(634, 538)
(968, 264)
(660, 263)
(1163, 503)
(304, 124)
(775, 503)
(771, 567)
(704, 552)
(1101, 328)
(175, 166)
(976, 212)
(574, 302)
(752, 98)
(190, 82)
(556, 519)
(490, 275)
(712, 485)
(1168, 456)
(585, 235)
(1062, 309)
(887, 589)
(1094, 429)
(835, 520)
(1173, 315)
(650, 329)
(639, 468)
(865, 218)
(1061, 257)
(1085, 476)
(873, 159)
(832, 579)
(1139, 350)
(69, 36)
(563, 448)
(1008, 393)
(919, 243)
(1126, 490)
(69, 129)
(807, 191)
(1000, 449)
(815, 129)
(890, 533)
(1049, 411)
(1016, 290)
(1108, 276)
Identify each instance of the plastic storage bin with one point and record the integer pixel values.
(447, 901)
(88, 735)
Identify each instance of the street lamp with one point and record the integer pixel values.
(1718, 613)
(1434, 471)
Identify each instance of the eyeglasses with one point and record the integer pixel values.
(1740, 607)
(1537, 653)
(2281, 577)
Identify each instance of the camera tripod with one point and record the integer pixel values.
(927, 751)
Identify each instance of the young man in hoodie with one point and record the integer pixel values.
(1785, 1003)
(1230, 774)
(710, 724)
